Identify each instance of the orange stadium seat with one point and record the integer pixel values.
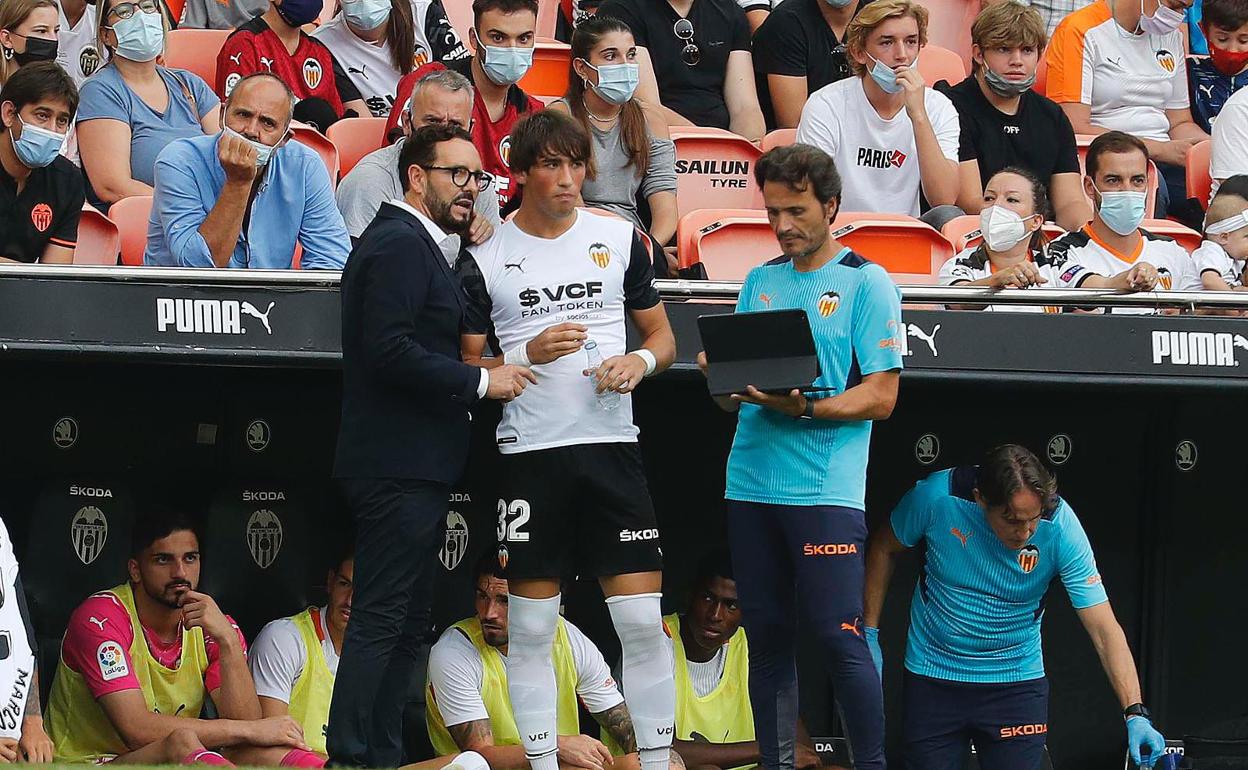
(911, 251)
(325, 148)
(714, 169)
(196, 50)
(355, 138)
(1042, 74)
(1185, 236)
(98, 239)
(131, 216)
(949, 27)
(459, 12)
(781, 137)
(727, 242)
(937, 64)
(547, 19)
(549, 74)
(1199, 183)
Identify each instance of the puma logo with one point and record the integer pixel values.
(960, 535)
(765, 299)
(515, 265)
(1207, 89)
(237, 58)
(853, 628)
(249, 309)
(98, 622)
(267, 63)
(359, 71)
(914, 331)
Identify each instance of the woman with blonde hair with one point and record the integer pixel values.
(132, 107)
(27, 34)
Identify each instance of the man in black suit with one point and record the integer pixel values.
(405, 430)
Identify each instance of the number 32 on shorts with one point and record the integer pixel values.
(518, 512)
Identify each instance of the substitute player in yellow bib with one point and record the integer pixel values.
(468, 707)
(138, 659)
(294, 660)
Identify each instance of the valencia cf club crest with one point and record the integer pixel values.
(89, 61)
(456, 543)
(600, 254)
(312, 73)
(828, 303)
(1165, 278)
(503, 556)
(420, 58)
(264, 537)
(1166, 60)
(41, 217)
(1028, 558)
(504, 151)
(88, 532)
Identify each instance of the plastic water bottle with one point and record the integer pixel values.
(610, 400)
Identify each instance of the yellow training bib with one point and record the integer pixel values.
(312, 693)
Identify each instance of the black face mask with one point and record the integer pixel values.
(37, 49)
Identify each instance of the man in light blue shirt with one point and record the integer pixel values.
(797, 471)
(995, 536)
(243, 198)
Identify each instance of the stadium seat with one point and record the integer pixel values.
(131, 217)
(1042, 74)
(949, 27)
(548, 76)
(355, 138)
(1186, 237)
(547, 19)
(1199, 183)
(781, 137)
(458, 12)
(911, 251)
(98, 239)
(714, 169)
(196, 50)
(727, 242)
(937, 64)
(325, 148)
(964, 231)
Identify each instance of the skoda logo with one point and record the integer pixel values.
(258, 435)
(927, 448)
(65, 432)
(1185, 455)
(1059, 449)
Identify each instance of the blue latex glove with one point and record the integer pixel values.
(1140, 734)
(873, 643)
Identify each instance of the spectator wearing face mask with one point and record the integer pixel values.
(27, 34)
(1214, 78)
(275, 42)
(376, 42)
(40, 192)
(1005, 123)
(244, 197)
(132, 108)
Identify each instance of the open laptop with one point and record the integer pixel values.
(773, 350)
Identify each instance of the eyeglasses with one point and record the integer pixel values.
(690, 54)
(460, 176)
(124, 11)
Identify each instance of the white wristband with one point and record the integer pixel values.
(518, 356)
(645, 355)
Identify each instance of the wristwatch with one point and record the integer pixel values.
(809, 412)
(1137, 710)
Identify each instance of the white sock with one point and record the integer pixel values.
(649, 689)
(531, 683)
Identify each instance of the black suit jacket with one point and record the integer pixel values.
(406, 393)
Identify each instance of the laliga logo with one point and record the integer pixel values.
(1197, 348)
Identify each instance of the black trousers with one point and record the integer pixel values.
(399, 527)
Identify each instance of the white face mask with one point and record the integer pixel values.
(1163, 21)
(1002, 228)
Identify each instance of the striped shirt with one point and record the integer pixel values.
(855, 314)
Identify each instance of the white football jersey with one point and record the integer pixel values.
(76, 48)
(972, 264)
(1211, 256)
(1175, 267)
(519, 285)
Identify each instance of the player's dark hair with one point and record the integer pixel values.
(1225, 14)
(800, 167)
(1111, 141)
(633, 128)
(1008, 469)
(159, 520)
(344, 552)
(38, 81)
(715, 563)
(421, 148)
(1236, 185)
(550, 134)
(487, 565)
(506, 6)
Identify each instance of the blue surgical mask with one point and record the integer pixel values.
(140, 37)
(839, 3)
(505, 66)
(263, 151)
(366, 14)
(885, 77)
(36, 147)
(616, 82)
(1122, 210)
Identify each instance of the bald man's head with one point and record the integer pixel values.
(259, 107)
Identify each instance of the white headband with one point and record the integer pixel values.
(1228, 225)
